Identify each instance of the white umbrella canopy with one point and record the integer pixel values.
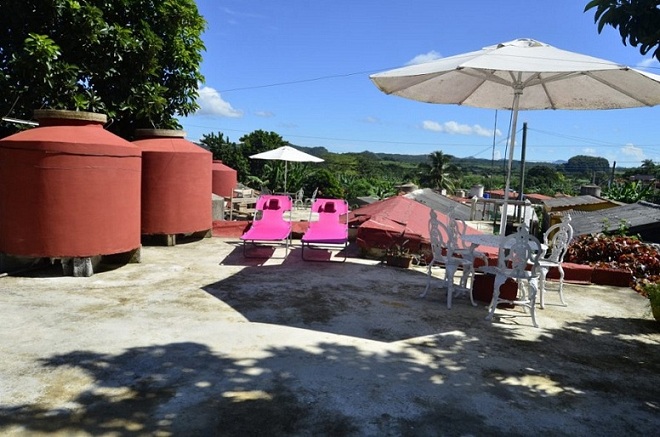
(523, 74)
(286, 154)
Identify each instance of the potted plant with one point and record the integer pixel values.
(652, 291)
(398, 255)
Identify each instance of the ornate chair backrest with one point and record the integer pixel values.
(314, 193)
(300, 195)
(521, 249)
(440, 236)
(458, 228)
(557, 238)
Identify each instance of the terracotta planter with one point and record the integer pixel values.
(616, 278)
(483, 288)
(398, 261)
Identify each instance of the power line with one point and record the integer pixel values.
(342, 75)
(295, 82)
(503, 141)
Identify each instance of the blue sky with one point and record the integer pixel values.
(301, 68)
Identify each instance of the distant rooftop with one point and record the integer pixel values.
(641, 218)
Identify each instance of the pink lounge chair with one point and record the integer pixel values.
(331, 229)
(269, 226)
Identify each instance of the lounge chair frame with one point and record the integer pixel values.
(330, 231)
(269, 228)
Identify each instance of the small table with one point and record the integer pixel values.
(492, 240)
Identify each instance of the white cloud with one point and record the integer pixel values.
(371, 120)
(498, 155)
(454, 128)
(425, 57)
(211, 103)
(264, 114)
(635, 152)
(289, 125)
(589, 151)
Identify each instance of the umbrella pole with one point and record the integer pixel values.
(285, 171)
(517, 92)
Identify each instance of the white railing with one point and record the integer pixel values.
(490, 209)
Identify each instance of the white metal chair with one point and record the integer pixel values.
(299, 202)
(310, 200)
(519, 260)
(556, 238)
(443, 243)
(462, 248)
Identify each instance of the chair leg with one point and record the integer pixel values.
(561, 285)
(499, 280)
(470, 274)
(429, 274)
(465, 276)
(544, 272)
(533, 289)
(450, 271)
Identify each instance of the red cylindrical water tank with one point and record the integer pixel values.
(69, 188)
(176, 183)
(224, 179)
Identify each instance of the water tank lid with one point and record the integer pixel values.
(159, 133)
(61, 114)
(219, 166)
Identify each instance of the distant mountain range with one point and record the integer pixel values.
(416, 159)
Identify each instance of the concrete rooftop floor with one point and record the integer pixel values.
(197, 340)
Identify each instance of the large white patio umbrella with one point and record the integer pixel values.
(286, 154)
(522, 74)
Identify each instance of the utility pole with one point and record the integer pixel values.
(522, 161)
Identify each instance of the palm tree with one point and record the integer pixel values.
(648, 166)
(439, 172)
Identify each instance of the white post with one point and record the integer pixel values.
(517, 92)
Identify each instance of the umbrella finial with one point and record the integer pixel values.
(522, 42)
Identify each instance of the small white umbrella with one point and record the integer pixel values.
(523, 74)
(286, 154)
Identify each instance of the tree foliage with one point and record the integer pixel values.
(586, 165)
(638, 21)
(438, 172)
(327, 184)
(135, 60)
(352, 175)
(629, 191)
(257, 142)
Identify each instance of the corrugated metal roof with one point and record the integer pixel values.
(440, 203)
(559, 202)
(640, 218)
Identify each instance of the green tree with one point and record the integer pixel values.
(649, 167)
(587, 166)
(135, 60)
(628, 192)
(326, 182)
(638, 21)
(541, 179)
(256, 142)
(438, 172)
